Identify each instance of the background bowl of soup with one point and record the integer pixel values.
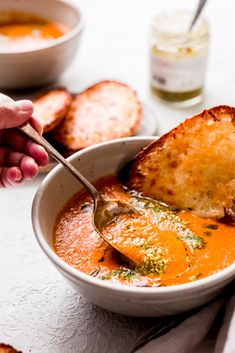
(59, 186)
(38, 41)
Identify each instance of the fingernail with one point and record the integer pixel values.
(25, 105)
(18, 175)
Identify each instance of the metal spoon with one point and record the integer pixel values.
(103, 211)
(198, 11)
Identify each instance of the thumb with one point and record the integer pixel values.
(13, 114)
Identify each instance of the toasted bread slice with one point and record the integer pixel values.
(51, 107)
(193, 166)
(106, 110)
(5, 348)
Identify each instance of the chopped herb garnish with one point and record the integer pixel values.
(210, 226)
(111, 274)
(124, 273)
(128, 275)
(154, 262)
(194, 241)
(157, 217)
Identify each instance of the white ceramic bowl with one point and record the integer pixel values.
(42, 66)
(94, 162)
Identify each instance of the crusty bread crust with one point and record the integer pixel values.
(5, 348)
(191, 167)
(104, 111)
(51, 107)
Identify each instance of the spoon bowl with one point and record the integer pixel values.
(106, 211)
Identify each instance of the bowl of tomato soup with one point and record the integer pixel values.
(38, 41)
(191, 259)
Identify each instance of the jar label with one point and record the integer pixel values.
(177, 75)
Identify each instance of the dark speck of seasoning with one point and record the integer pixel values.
(95, 272)
(207, 233)
(173, 164)
(170, 192)
(85, 207)
(210, 226)
(101, 259)
(194, 278)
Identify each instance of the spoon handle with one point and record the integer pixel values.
(28, 130)
(199, 9)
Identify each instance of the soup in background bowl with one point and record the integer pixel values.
(58, 187)
(34, 56)
(21, 31)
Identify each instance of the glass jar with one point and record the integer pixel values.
(178, 58)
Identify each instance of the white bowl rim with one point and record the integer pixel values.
(64, 38)
(221, 276)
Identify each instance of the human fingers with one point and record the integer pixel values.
(36, 124)
(24, 109)
(13, 114)
(38, 153)
(27, 165)
(19, 142)
(10, 176)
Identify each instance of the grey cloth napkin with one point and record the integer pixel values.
(209, 330)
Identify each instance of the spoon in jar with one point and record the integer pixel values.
(104, 211)
(197, 13)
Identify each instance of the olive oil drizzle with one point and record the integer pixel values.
(167, 219)
(155, 260)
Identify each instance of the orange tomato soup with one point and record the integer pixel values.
(23, 32)
(180, 246)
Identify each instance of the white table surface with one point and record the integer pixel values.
(39, 312)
